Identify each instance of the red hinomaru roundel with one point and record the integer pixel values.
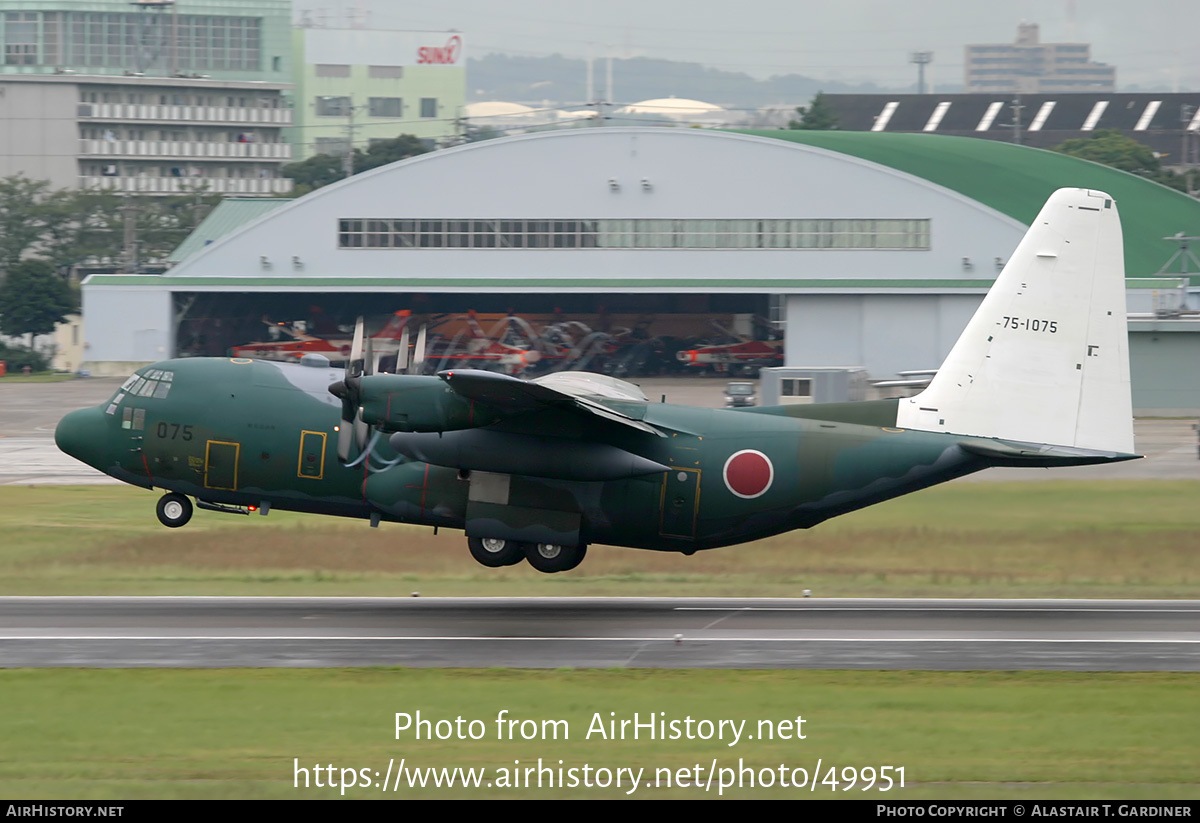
(748, 473)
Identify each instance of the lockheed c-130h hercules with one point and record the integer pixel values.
(537, 470)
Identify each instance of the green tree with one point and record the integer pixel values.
(315, 172)
(323, 169)
(1112, 148)
(34, 219)
(33, 299)
(477, 134)
(816, 115)
(382, 152)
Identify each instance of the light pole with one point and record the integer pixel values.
(348, 158)
(922, 59)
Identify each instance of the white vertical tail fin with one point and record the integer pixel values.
(1045, 359)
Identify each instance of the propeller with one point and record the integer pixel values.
(347, 391)
(364, 362)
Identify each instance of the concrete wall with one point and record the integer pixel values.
(1164, 361)
(886, 333)
(39, 137)
(126, 327)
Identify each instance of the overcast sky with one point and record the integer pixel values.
(852, 40)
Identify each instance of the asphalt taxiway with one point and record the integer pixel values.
(216, 632)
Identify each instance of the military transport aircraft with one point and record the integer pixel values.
(537, 470)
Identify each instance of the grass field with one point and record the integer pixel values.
(128, 734)
(1136, 539)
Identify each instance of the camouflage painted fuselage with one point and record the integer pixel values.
(257, 433)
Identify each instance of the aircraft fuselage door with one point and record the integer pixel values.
(680, 502)
(311, 463)
(221, 465)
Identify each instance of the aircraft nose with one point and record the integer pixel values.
(81, 435)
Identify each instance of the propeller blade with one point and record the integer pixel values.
(355, 367)
(369, 364)
(361, 431)
(402, 353)
(343, 444)
(419, 354)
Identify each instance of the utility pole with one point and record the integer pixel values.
(129, 261)
(1016, 123)
(1185, 119)
(348, 161)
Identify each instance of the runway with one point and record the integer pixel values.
(30, 411)
(215, 632)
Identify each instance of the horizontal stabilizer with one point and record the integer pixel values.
(1040, 454)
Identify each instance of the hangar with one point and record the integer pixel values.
(874, 248)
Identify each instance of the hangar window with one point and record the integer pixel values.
(484, 234)
(888, 234)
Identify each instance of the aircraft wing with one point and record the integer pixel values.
(511, 396)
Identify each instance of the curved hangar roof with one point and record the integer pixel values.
(1016, 180)
(643, 209)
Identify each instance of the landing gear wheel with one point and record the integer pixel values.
(553, 557)
(174, 510)
(495, 552)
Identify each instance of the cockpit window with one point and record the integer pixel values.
(154, 383)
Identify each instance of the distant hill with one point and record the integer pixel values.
(560, 81)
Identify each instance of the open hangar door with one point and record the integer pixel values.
(628, 334)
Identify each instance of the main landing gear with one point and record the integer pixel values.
(174, 510)
(495, 552)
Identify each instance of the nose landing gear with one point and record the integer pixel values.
(173, 510)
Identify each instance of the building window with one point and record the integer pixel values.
(20, 38)
(385, 106)
(795, 387)
(429, 107)
(333, 106)
(385, 72)
(189, 42)
(332, 70)
(805, 234)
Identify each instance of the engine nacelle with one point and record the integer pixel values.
(520, 454)
(418, 403)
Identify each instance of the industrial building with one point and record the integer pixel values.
(1168, 123)
(215, 95)
(221, 40)
(148, 135)
(355, 86)
(1029, 66)
(875, 248)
